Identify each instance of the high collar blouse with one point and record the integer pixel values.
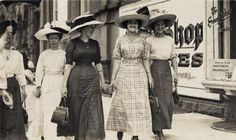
(79, 51)
(162, 48)
(50, 62)
(13, 66)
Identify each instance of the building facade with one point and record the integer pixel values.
(204, 36)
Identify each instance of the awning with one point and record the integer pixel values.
(8, 2)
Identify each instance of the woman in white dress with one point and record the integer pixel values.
(49, 76)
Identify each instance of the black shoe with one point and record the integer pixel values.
(134, 138)
(160, 135)
(119, 135)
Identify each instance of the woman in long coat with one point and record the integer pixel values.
(130, 108)
(11, 67)
(162, 52)
(82, 79)
(49, 76)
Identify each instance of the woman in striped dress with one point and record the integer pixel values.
(130, 108)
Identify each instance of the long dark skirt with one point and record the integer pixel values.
(85, 104)
(162, 77)
(11, 120)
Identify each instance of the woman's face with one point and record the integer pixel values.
(9, 37)
(132, 25)
(53, 40)
(88, 30)
(159, 26)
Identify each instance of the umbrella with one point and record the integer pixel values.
(8, 2)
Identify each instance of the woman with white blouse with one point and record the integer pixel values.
(162, 52)
(49, 76)
(13, 81)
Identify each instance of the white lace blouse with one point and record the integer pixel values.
(12, 65)
(50, 62)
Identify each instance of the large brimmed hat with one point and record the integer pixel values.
(122, 20)
(143, 11)
(60, 26)
(82, 21)
(4, 24)
(56, 27)
(41, 34)
(157, 15)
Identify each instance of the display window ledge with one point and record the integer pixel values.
(228, 86)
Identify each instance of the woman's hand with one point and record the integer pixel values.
(113, 85)
(23, 93)
(63, 91)
(38, 92)
(103, 87)
(151, 82)
(175, 77)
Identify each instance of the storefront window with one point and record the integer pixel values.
(226, 31)
(233, 30)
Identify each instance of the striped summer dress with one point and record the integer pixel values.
(130, 108)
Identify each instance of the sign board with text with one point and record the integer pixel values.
(221, 69)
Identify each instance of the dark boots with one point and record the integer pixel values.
(160, 135)
(119, 135)
(134, 138)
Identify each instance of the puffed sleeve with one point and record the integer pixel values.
(173, 52)
(40, 70)
(69, 53)
(20, 75)
(117, 50)
(98, 55)
(146, 50)
(3, 80)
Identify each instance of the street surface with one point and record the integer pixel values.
(186, 126)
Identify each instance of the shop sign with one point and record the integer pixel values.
(188, 34)
(221, 69)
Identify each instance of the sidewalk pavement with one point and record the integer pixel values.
(185, 126)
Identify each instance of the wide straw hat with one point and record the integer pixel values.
(41, 34)
(60, 26)
(123, 19)
(82, 21)
(157, 15)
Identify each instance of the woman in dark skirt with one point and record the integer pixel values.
(162, 52)
(12, 68)
(86, 120)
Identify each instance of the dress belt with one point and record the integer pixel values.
(84, 64)
(10, 75)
